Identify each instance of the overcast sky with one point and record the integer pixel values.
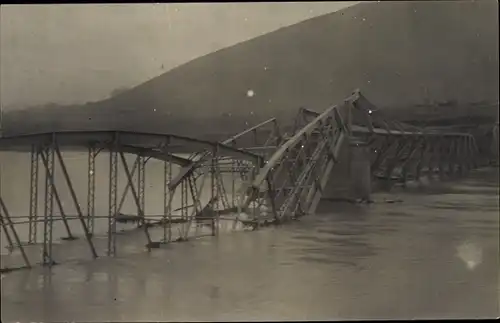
(78, 53)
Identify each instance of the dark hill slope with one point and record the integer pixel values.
(395, 52)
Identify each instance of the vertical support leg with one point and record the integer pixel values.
(141, 186)
(63, 214)
(393, 162)
(33, 217)
(472, 153)
(169, 206)
(448, 156)
(465, 155)
(213, 189)
(272, 196)
(91, 191)
(455, 155)
(470, 164)
(435, 156)
(167, 176)
(56, 195)
(75, 202)
(233, 183)
(4, 214)
(184, 210)
(404, 175)
(422, 160)
(382, 153)
(127, 186)
(136, 199)
(390, 165)
(48, 217)
(475, 157)
(408, 161)
(451, 158)
(431, 156)
(460, 156)
(466, 152)
(223, 199)
(256, 214)
(213, 193)
(442, 159)
(191, 183)
(113, 183)
(220, 192)
(10, 246)
(10, 243)
(195, 194)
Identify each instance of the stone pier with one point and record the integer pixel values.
(350, 178)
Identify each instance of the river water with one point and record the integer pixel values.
(414, 253)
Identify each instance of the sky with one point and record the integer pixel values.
(70, 54)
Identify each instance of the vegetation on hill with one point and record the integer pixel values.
(400, 54)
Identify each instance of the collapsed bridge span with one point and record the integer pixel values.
(258, 176)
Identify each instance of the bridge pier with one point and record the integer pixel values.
(351, 177)
(360, 170)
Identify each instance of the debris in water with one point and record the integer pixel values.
(393, 201)
(154, 244)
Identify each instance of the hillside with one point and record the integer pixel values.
(397, 53)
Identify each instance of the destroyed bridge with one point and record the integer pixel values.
(257, 177)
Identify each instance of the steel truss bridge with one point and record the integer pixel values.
(257, 177)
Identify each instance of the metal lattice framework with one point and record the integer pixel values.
(258, 176)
